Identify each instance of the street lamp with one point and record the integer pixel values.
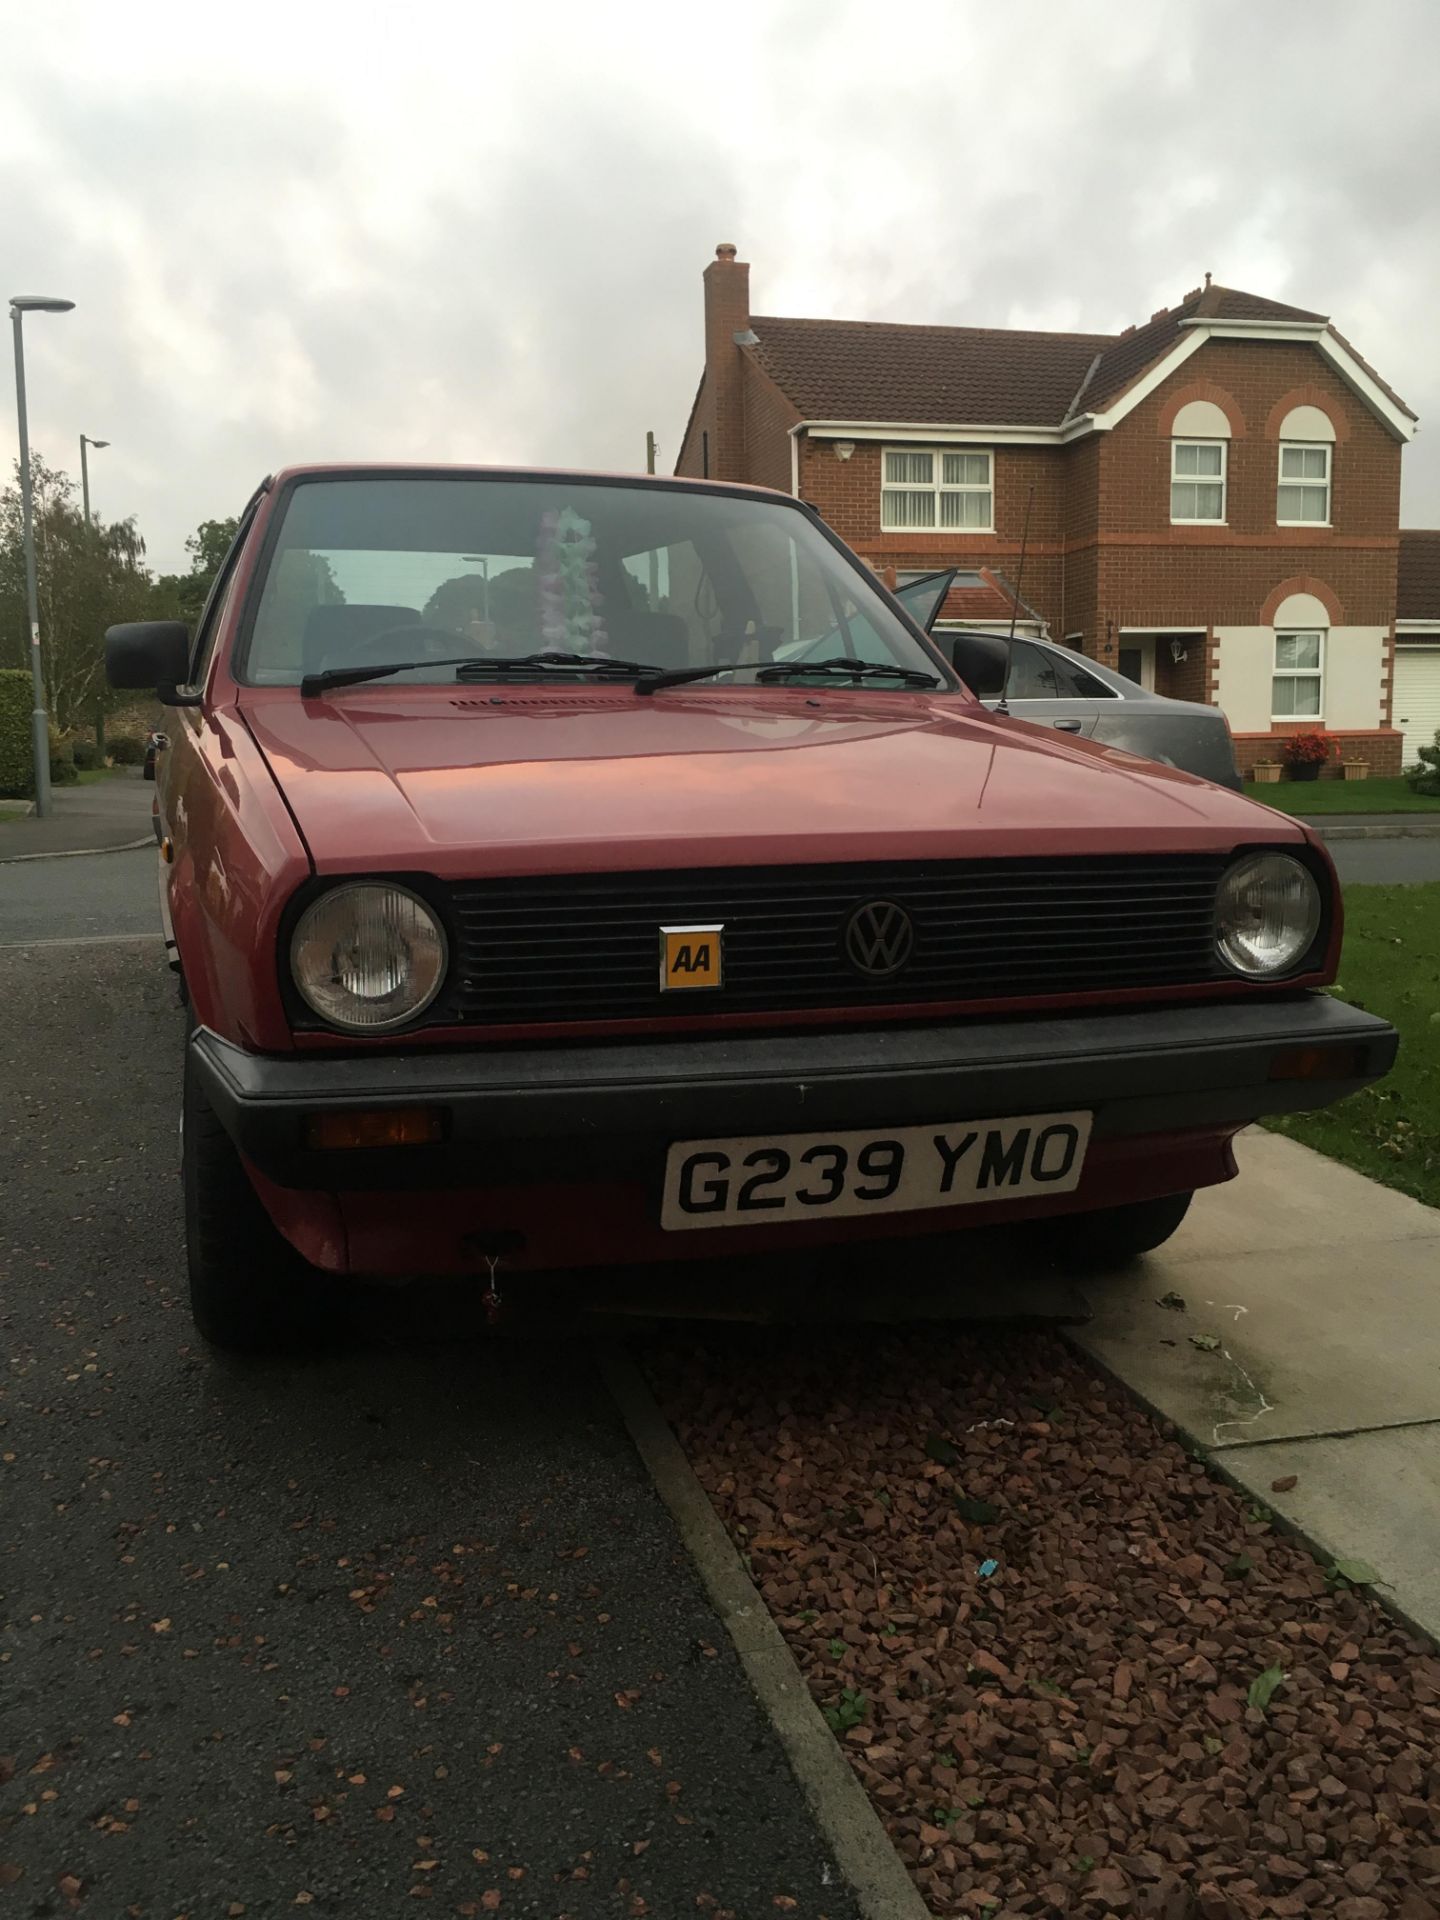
(20, 305)
(86, 441)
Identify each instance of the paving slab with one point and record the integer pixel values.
(1362, 1496)
(1308, 1343)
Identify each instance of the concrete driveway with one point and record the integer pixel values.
(1321, 1291)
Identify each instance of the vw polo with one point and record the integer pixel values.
(566, 870)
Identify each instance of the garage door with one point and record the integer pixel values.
(1417, 696)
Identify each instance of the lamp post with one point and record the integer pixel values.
(86, 441)
(20, 305)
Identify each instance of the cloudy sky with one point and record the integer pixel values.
(475, 231)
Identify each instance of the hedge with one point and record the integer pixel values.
(16, 701)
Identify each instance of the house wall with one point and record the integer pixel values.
(768, 419)
(1102, 554)
(847, 495)
(1235, 577)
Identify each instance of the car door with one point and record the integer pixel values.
(1039, 683)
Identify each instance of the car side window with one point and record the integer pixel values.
(1044, 673)
(212, 615)
(979, 659)
(1087, 687)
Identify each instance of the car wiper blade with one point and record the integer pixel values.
(840, 669)
(314, 683)
(843, 668)
(481, 666)
(473, 666)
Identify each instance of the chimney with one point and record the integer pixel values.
(727, 313)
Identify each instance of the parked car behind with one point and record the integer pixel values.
(538, 905)
(1056, 687)
(155, 743)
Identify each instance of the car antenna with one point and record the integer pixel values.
(1002, 704)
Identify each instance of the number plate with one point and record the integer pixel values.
(818, 1176)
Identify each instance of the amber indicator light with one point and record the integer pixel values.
(376, 1127)
(1318, 1063)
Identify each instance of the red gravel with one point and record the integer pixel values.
(1069, 1734)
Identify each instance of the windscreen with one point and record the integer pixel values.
(427, 571)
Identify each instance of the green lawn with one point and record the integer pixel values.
(1391, 966)
(1343, 796)
(91, 776)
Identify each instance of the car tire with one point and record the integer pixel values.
(1112, 1237)
(250, 1292)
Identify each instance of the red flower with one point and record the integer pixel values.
(1307, 750)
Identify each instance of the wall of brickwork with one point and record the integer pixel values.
(768, 417)
(1380, 746)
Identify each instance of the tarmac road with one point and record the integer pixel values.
(405, 1623)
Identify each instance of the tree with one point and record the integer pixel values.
(88, 576)
(208, 546)
(184, 594)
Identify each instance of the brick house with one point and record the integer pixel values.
(1213, 496)
(1417, 639)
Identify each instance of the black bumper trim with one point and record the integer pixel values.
(612, 1106)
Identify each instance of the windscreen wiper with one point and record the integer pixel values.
(474, 666)
(838, 669)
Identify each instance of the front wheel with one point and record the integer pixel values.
(250, 1292)
(1114, 1236)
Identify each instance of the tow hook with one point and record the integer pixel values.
(492, 1299)
(492, 1248)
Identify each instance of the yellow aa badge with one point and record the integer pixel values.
(690, 957)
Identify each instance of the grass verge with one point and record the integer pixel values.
(1343, 796)
(1390, 966)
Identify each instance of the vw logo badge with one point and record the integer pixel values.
(879, 938)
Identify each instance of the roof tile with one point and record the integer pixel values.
(984, 376)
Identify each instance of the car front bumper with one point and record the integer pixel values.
(524, 1126)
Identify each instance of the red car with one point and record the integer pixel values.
(566, 870)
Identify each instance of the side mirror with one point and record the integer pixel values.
(149, 653)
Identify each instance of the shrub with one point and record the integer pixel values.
(63, 770)
(85, 754)
(1425, 777)
(1307, 750)
(125, 752)
(15, 757)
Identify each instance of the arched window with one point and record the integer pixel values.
(1297, 688)
(1307, 449)
(1199, 444)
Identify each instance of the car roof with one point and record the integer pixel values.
(440, 470)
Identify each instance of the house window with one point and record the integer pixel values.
(1197, 480)
(1297, 690)
(935, 490)
(1304, 495)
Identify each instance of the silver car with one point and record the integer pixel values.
(1054, 686)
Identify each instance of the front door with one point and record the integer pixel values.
(1137, 659)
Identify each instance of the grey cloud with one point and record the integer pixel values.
(250, 293)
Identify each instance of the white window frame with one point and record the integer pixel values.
(1305, 446)
(1201, 480)
(936, 487)
(1277, 672)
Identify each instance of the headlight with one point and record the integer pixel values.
(1267, 913)
(368, 956)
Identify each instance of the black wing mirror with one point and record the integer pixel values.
(154, 654)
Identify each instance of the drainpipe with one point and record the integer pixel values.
(795, 432)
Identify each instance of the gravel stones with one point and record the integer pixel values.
(1072, 1733)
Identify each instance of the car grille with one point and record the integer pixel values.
(585, 947)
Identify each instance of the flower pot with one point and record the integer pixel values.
(1354, 769)
(1266, 770)
(1303, 770)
